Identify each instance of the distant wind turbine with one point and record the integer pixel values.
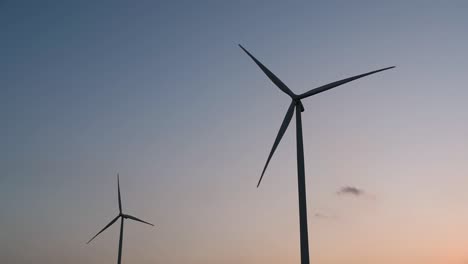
(122, 216)
(296, 104)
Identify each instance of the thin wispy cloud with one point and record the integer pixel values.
(325, 216)
(321, 216)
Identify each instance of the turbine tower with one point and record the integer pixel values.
(122, 217)
(296, 106)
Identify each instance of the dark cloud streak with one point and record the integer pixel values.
(350, 190)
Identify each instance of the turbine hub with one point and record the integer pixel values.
(299, 103)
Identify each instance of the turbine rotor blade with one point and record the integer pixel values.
(329, 86)
(270, 75)
(107, 226)
(282, 130)
(136, 219)
(118, 190)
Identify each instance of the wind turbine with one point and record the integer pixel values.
(122, 217)
(296, 105)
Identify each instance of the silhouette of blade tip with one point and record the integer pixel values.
(261, 177)
(246, 51)
(91, 239)
(107, 226)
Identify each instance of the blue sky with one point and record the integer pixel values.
(160, 92)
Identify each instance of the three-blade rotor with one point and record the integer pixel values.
(121, 215)
(296, 99)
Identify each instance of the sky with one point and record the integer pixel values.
(159, 92)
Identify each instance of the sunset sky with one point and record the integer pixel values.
(161, 93)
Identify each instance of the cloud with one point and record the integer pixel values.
(350, 190)
(324, 216)
(320, 215)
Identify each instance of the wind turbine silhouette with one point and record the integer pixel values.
(296, 104)
(122, 216)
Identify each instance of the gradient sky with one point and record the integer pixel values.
(160, 92)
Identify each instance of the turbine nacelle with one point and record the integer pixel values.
(299, 103)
